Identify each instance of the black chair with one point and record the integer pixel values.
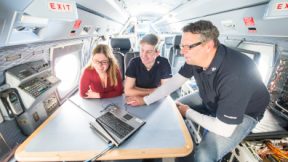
(122, 45)
(162, 49)
(120, 58)
(168, 43)
(175, 58)
(128, 57)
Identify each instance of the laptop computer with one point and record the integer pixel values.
(116, 125)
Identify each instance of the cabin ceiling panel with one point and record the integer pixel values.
(31, 21)
(263, 27)
(15, 5)
(62, 30)
(106, 26)
(23, 20)
(53, 10)
(148, 9)
(56, 30)
(202, 8)
(106, 7)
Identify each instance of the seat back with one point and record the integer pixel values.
(122, 45)
(128, 57)
(175, 57)
(120, 59)
(168, 43)
(162, 49)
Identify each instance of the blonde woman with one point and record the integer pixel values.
(101, 78)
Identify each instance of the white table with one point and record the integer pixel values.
(66, 134)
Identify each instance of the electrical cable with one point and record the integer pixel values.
(110, 146)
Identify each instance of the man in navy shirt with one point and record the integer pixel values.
(147, 72)
(232, 96)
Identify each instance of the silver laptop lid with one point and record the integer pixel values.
(116, 125)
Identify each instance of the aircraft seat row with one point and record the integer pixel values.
(122, 45)
(128, 56)
(122, 51)
(168, 43)
(176, 59)
(171, 50)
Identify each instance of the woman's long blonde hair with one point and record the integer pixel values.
(113, 65)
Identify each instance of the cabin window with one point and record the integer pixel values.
(266, 58)
(66, 65)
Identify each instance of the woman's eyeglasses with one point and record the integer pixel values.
(106, 62)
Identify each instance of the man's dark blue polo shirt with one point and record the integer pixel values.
(152, 78)
(231, 86)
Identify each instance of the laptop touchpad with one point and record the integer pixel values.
(127, 117)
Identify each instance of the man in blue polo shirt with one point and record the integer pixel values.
(147, 72)
(232, 96)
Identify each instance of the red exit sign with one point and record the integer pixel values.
(60, 6)
(282, 6)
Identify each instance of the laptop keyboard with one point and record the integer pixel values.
(112, 123)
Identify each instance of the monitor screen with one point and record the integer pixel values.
(66, 65)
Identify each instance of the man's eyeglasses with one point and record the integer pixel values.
(106, 62)
(190, 46)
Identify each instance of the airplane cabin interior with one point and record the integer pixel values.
(45, 44)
